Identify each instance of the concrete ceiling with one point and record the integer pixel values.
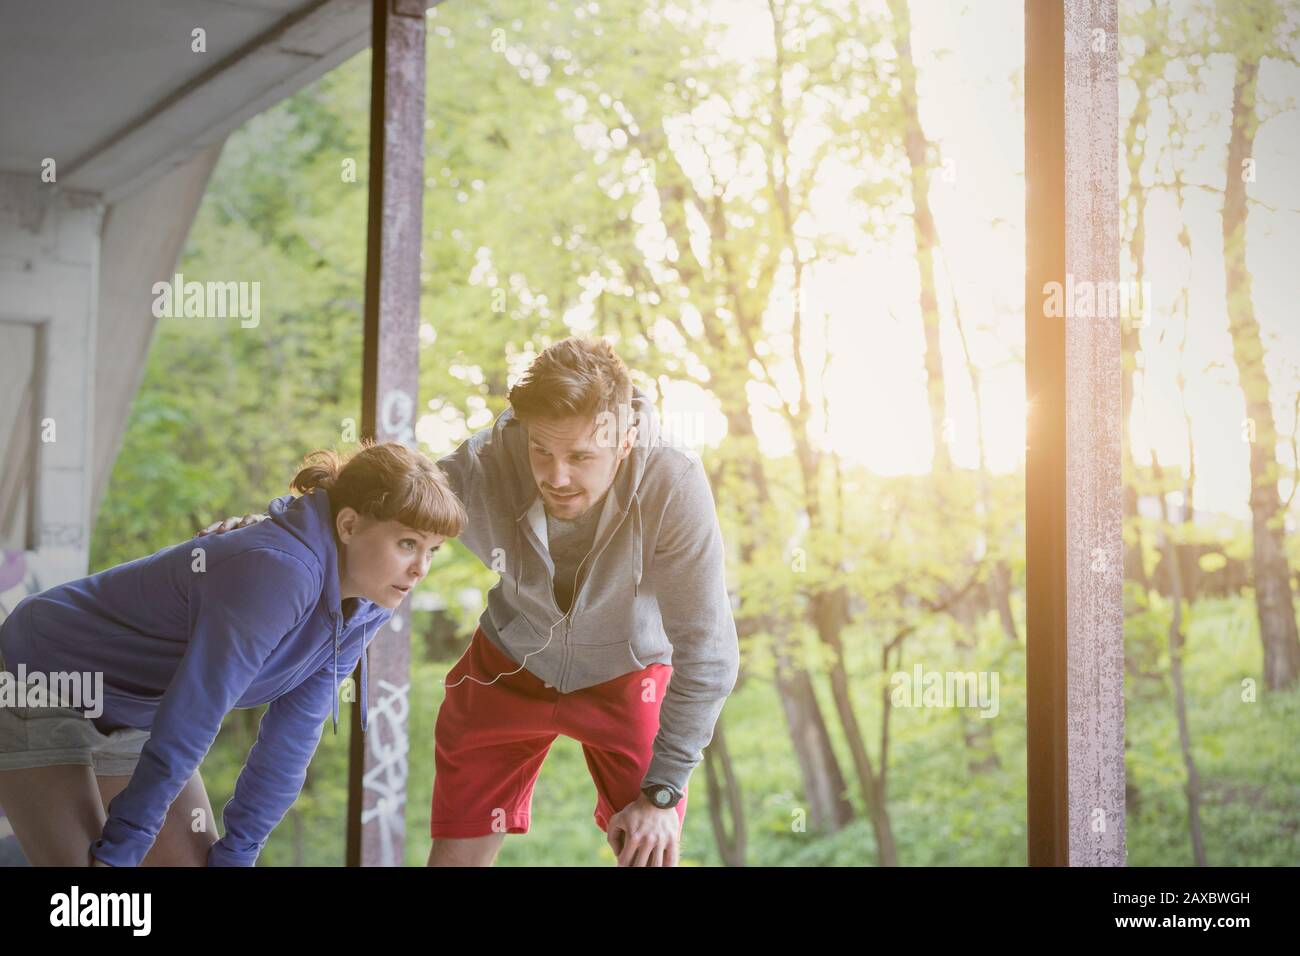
(113, 92)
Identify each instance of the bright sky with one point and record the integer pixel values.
(970, 61)
(876, 380)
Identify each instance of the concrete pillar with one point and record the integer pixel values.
(1073, 544)
(49, 274)
(1093, 429)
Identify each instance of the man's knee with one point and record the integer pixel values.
(471, 851)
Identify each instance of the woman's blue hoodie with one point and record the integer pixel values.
(189, 633)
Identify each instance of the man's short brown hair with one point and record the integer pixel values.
(573, 378)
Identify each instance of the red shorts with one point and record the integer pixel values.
(491, 738)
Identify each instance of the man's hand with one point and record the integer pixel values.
(230, 524)
(644, 835)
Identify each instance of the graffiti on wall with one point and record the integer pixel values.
(385, 782)
(17, 580)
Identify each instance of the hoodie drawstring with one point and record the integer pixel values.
(365, 682)
(518, 557)
(335, 708)
(636, 545)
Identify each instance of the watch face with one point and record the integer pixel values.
(662, 797)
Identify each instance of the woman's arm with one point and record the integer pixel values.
(273, 776)
(239, 611)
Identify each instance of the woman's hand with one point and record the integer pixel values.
(230, 524)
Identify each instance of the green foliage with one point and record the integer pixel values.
(561, 142)
(1251, 786)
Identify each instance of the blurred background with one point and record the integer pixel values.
(802, 226)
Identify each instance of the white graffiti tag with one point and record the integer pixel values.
(395, 416)
(389, 744)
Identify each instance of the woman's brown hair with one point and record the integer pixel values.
(388, 482)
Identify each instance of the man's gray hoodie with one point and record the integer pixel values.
(653, 588)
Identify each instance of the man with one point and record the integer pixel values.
(611, 622)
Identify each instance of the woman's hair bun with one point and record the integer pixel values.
(321, 470)
(385, 481)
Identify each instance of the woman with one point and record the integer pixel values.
(279, 613)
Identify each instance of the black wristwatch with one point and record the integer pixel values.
(662, 796)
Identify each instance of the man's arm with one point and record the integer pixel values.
(690, 581)
(230, 524)
(476, 465)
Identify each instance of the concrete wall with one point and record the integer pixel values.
(49, 276)
(83, 273)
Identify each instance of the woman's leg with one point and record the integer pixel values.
(188, 830)
(56, 812)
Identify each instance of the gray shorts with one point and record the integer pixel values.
(54, 736)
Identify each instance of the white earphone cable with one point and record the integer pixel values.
(573, 602)
(517, 669)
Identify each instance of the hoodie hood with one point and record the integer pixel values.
(310, 518)
(624, 500)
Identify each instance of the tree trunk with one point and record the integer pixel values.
(1273, 601)
(828, 607)
(926, 238)
(976, 731)
(916, 146)
(724, 800)
(1001, 599)
(829, 612)
(1130, 338)
(1176, 643)
(823, 782)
